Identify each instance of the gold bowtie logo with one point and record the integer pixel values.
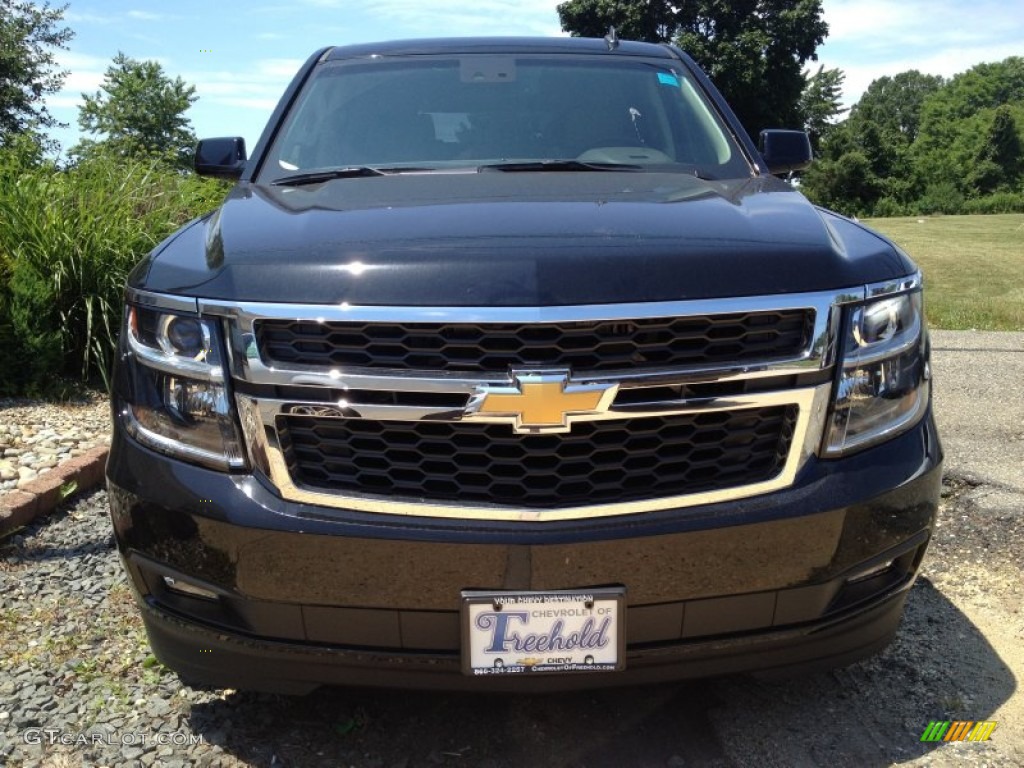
(541, 402)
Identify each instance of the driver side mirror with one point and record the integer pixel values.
(785, 151)
(223, 157)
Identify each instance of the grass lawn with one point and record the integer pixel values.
(973, 267)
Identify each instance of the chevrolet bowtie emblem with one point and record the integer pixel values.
(540, 402)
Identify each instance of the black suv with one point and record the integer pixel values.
(511, 363)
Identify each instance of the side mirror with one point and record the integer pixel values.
(223, 157)
(785, 151)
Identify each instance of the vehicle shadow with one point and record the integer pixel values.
(870, 714)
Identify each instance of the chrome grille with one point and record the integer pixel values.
(652, 342)
(717, 400)
(599, 461)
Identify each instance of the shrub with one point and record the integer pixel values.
(1000, 202)
(67, 243)
(887, 208)
(942, 197)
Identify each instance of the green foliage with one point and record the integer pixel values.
(140, 113)
(889, 208)
(847, 185)
(29, 33)
(997, 165)
(754, 50)
(1000, 202)
(956, 121)
(940, 197)
(820, 104)
(68, 241)
(894, 104)
(931, 146)
(881, 128)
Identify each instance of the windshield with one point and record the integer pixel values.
(471, 111)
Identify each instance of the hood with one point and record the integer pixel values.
(516, 239)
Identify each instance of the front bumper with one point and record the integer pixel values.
(299, 596)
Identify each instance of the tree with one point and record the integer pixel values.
(998, 163)
(754, 50)
(880, 130)
(894, 103)
(847, 184)
(956, 121)
(29, 33)
(820, 103)
(140, 112)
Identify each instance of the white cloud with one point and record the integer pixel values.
(937, 23)
(947, 62)
(278, 68)
(63, 102)
(264, 105)
(85, 75)
(146, 16)
(73, 17)
(259, 86)
(434, 18)
(869, 39)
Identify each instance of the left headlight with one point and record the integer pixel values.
(884, 376)
(178, 400)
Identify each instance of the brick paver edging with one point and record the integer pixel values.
(40, 496)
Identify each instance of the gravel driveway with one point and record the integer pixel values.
(78, 686)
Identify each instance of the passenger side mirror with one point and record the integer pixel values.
(785, 151)
(222, 157)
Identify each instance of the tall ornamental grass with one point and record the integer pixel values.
(68, 239)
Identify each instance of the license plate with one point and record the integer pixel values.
(578, 631)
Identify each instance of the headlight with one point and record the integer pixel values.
(178, 401)
(884, 376)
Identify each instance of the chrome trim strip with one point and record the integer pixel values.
(161, 300)
(173, 364)
(892, 287)
(247, 364)
(911, 337)
(172, 447)
(248, 311)
(269, 408)
(258, 418)
(468, 383)
(894, 428)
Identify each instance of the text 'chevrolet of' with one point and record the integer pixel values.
(511, 363)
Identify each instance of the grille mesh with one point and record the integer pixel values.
(583, 346)
(597, 462)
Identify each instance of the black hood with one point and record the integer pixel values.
(508, 239)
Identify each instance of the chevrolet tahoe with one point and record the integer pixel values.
(512, 363)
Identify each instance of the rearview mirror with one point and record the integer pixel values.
(785, 151)
(223, 157)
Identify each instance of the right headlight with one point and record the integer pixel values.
(884, 375)
(177, 400)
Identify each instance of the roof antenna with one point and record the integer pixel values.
(612, 38)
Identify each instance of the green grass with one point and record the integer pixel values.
(973, 267)
(67, 241)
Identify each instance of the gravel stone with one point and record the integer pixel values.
(36, 436)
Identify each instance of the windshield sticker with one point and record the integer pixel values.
(667, 78)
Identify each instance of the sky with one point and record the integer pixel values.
(241, 55)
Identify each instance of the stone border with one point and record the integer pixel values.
(41, 496)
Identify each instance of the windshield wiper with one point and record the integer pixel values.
(557, 166)
(315, 177)
(349, 172)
